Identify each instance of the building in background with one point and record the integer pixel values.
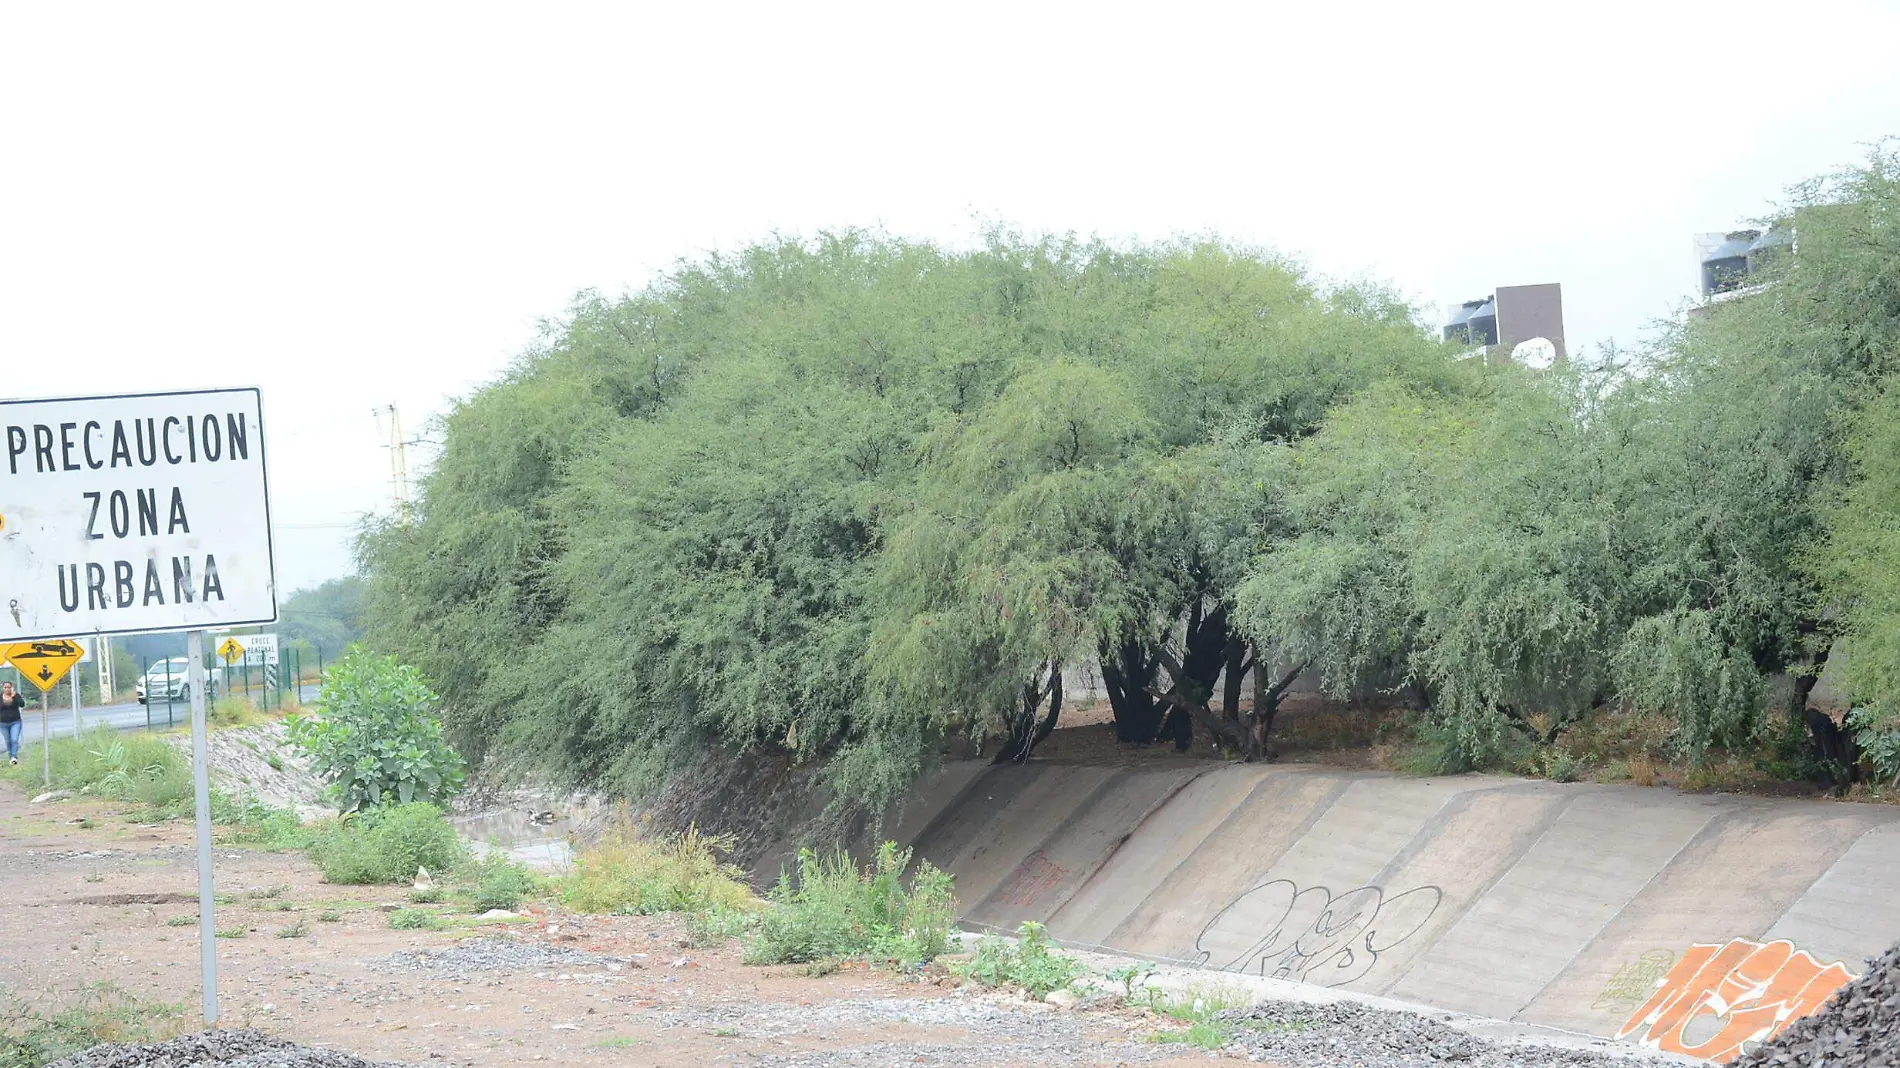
(1520, 323)
(1731, 264)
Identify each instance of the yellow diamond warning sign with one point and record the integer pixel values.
(231, 651)
(45, 663)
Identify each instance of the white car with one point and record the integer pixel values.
(172, 679)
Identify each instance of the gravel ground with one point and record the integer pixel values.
(1859, 1027)
(493, 955)
(1025, 1032)
(232, 1049)
(1349, 1035)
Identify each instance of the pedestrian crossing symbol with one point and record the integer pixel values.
(44, 663)
(231, 651)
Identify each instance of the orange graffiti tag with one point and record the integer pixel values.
(1717, 998)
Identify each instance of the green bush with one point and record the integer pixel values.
(830, 908)
(386, 845)
(1028, 963)
(497, 882)
(260, 825)
(630, 874)
(377, 738)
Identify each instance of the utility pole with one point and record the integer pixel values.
(398, 463)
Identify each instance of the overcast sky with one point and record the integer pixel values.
(375, 204)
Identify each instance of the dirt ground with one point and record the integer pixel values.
(89, 903)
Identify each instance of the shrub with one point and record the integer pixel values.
(498, 882)
(385, 845)
(1028, 963)
(830, 908)
(626, 873)
(377, 738)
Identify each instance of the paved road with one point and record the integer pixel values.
(127, 716)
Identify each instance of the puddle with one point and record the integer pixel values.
(516, 833)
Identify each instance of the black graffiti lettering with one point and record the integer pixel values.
(95, 588)
(92, 519)
(1279, 930)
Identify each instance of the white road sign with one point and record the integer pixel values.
(134, 513)
(260, 650)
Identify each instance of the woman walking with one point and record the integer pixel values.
(10, 705)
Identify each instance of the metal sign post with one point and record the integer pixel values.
(201, 786)
(75, 688)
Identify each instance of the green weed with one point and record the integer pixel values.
(103, 1013)
(385, 845)
(415, 920)
(630, 874)
(1029, 963)
(830, 908)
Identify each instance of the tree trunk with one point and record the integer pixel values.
(1028, 732)
(1266, 707)
(1234, 677)
(1128, 671)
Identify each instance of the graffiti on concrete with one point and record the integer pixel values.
(1034, 875)
(1634, 982)
(1277, 929)
(1719, 998)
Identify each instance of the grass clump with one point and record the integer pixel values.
(830, 908)
(329, 916)
(627, 873)
(715, 925)
(263, 827)
(103, 1013)
(1200, 1008)
(1029, 963)
(496, 881)
(415, 920)
(181, 921)
(426, 895)
(385, 845)
(142, 769)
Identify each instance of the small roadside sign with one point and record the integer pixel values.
(44, 663)
(231, 652)
(260, 650)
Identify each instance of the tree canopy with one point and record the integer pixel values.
(843, 499)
